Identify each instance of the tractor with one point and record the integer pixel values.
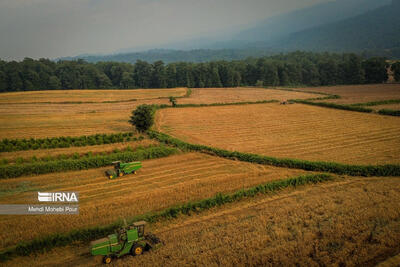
(121, 169)
(127, 240)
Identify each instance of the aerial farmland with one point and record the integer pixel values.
(282, 175)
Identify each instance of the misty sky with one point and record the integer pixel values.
(55, 28)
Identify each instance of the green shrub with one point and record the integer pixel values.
(143, 117)
(333, 105)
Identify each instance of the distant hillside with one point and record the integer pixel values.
(320, 14)
(377, 30)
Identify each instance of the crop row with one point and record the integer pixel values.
(9, 145)
(332, 167)
(76, 155)
(88, 234)
(84, 163)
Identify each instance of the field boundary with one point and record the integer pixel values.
(321, 166)
(88, 234)
(17, 170)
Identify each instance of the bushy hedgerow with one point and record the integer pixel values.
(9, 145)
(85, 235)
(333, 105)
(17, 170)
(377, 103)
(389, 112)
(75, 155)
(216, 104)
(332, 167)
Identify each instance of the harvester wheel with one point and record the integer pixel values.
(137, 250)
(107, 259)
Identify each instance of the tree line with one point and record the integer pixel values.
(292, 69)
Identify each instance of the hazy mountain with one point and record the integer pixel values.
(375, 30)
(334, 26)
(282, 25)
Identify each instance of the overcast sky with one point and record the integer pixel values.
(56, 28)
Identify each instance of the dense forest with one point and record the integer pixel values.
(297, 68)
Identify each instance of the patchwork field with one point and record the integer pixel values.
(57, 96)
(159, 184)
(351, 221)
(294, 131)
(240, 94)
(351, 94)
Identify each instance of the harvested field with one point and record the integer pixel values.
(159, 184)
(50, 120)
(57, 96)
(40, 153)
(240, 94)
(294, 131)
(351, 94)
(353, 222)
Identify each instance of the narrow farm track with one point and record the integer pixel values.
(276, 130)
(159, 184)
(317, 220)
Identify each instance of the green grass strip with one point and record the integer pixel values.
(85, 235)
(17, 170)
(216, 104)
(9, 145)
(377, 103)
(389, 112)
(333, 105)
(332, 167)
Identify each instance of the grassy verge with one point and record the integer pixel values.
(332, 167)
(17, 170)
(76, 155)
(88, 234)
(10, 145)
(333, 105)
(389, 112)
(377, 103)
(216, 104)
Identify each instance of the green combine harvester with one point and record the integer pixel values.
(120, 169)
(128, 240)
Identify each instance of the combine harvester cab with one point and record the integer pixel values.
(128, 240)
(120, 169)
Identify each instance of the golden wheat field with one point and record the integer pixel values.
(159, 184)
(293, 131)
(240, 94)
(351, 221)
(351, 94)
(57, 96)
